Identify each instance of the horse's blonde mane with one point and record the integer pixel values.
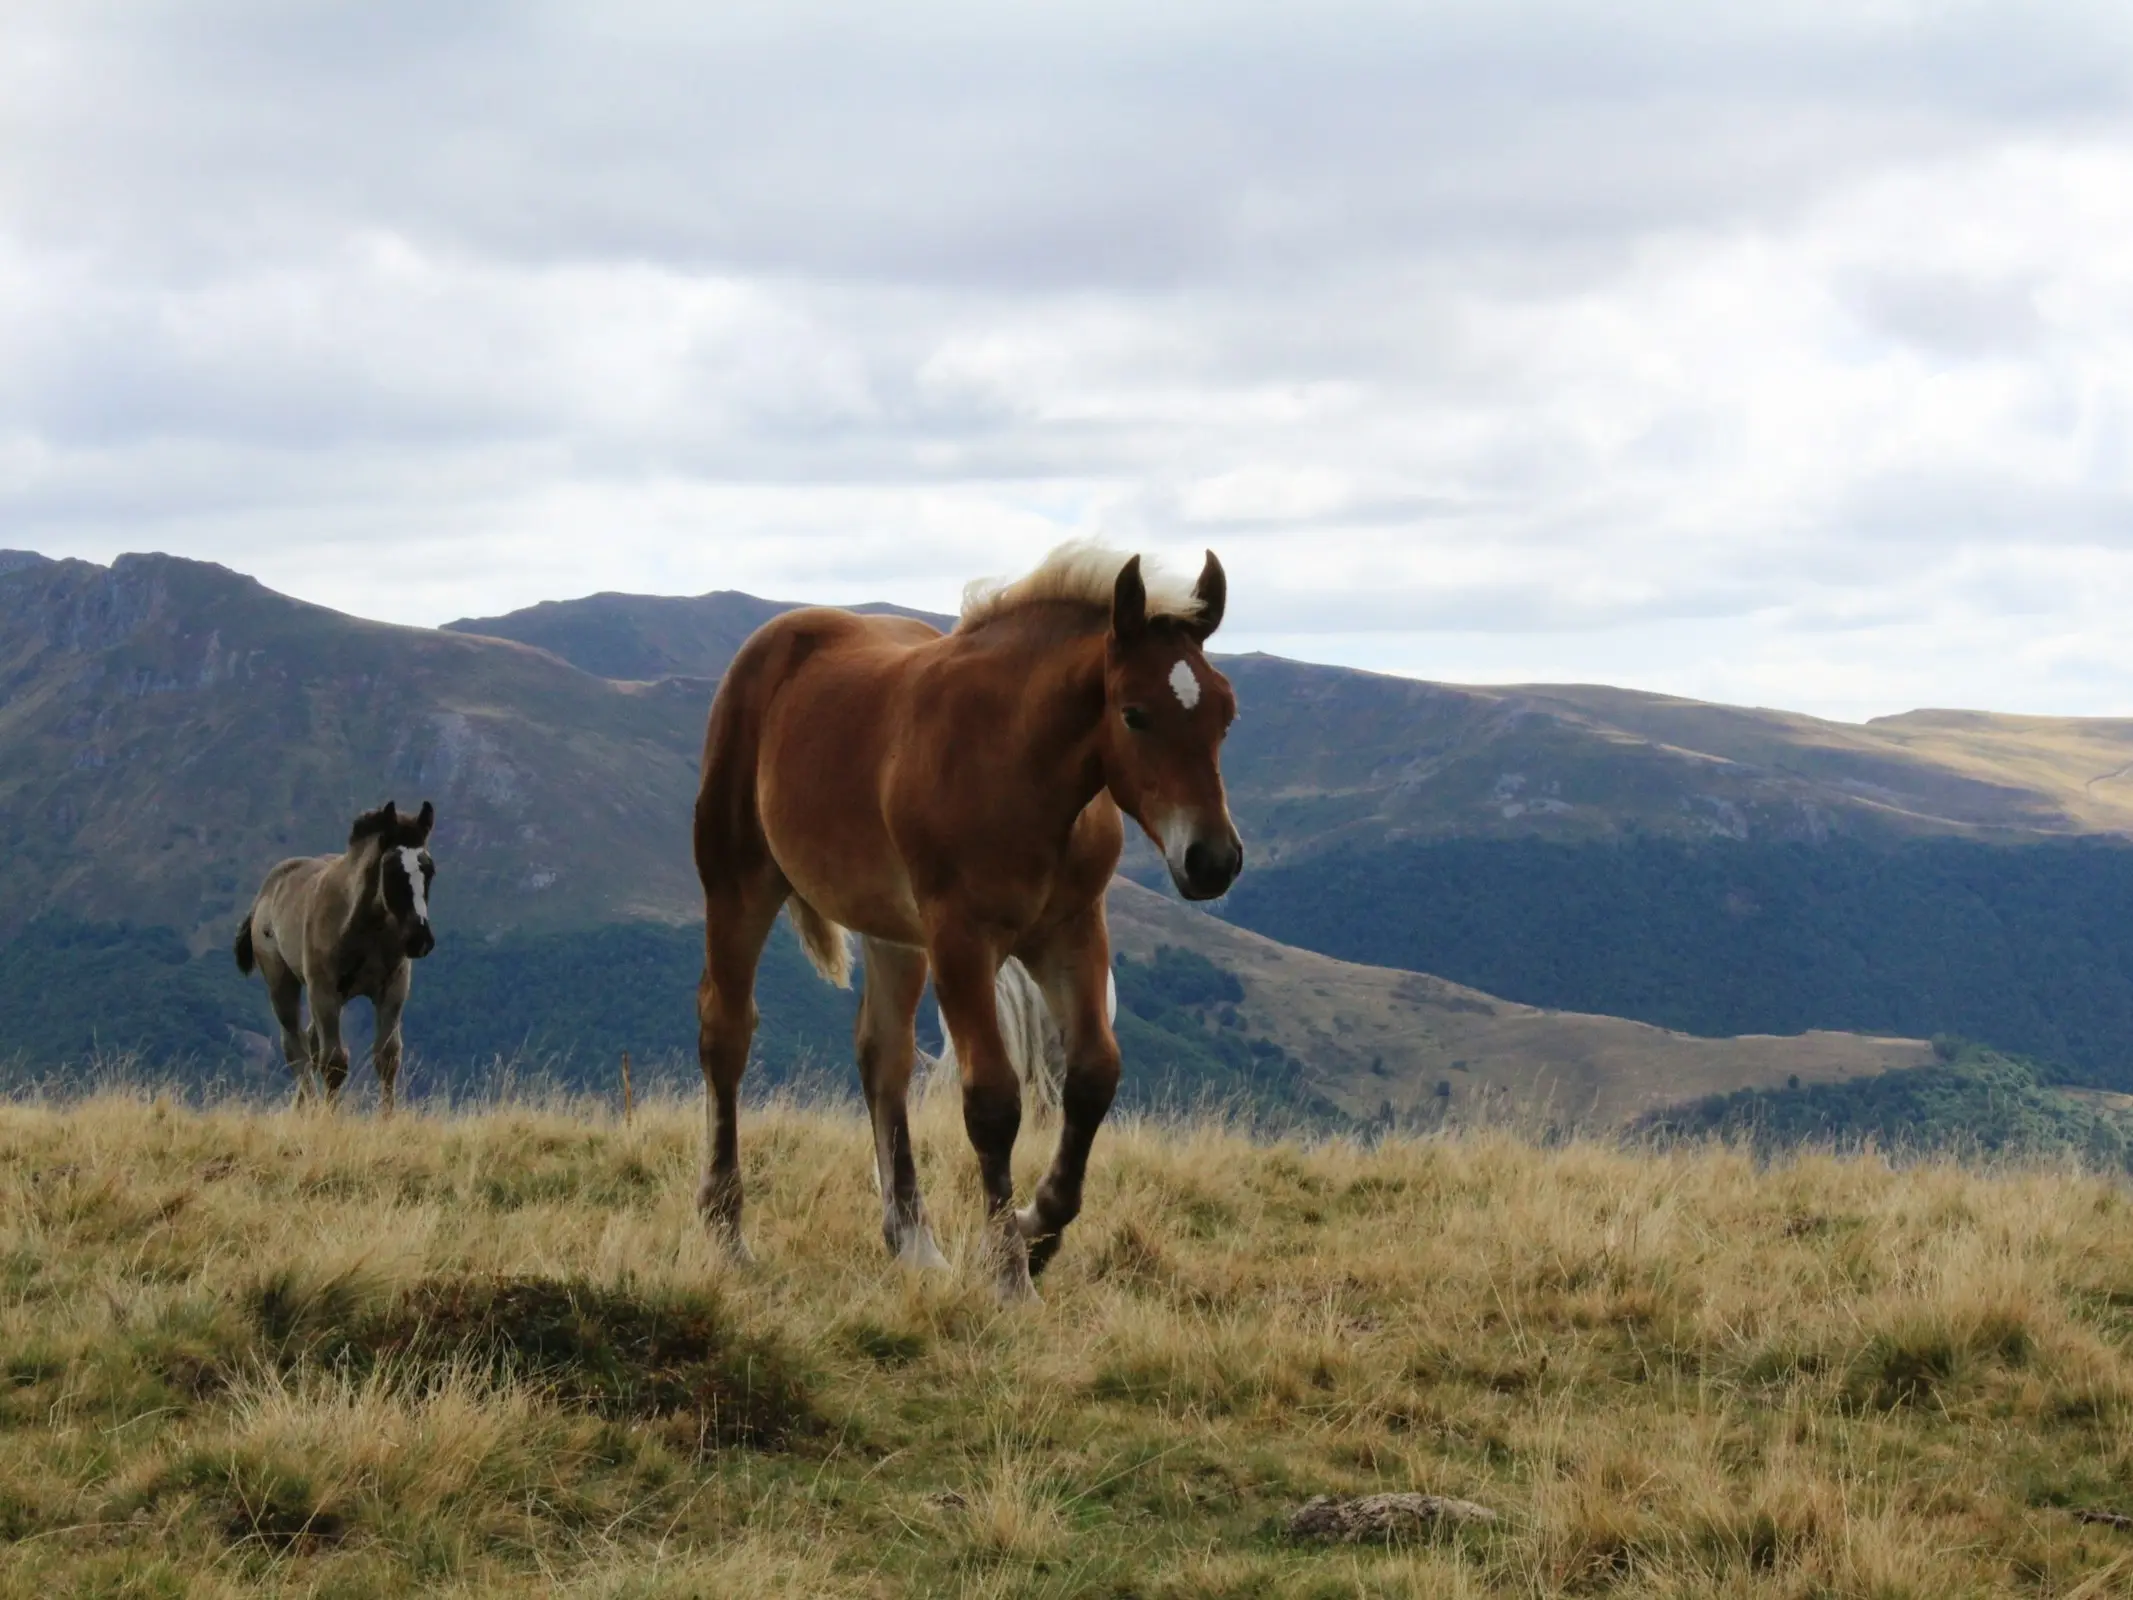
(1080, 570)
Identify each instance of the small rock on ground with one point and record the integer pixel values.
(1381, 1516)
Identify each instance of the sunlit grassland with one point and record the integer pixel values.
(490, 1352)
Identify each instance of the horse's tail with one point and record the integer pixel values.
(243, 946)
(826, 943)
(1035, 1047)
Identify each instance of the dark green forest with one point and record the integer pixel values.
(561, 1007)
(2028, 949)
(1971, 1101)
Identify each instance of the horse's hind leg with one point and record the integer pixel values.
(888, 1005)
(1074, 970)
(737, 919)
(286, 993)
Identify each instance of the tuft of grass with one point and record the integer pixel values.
(617, 1351)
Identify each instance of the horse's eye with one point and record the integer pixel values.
(1136, 719)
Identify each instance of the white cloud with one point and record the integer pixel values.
(1779, 355)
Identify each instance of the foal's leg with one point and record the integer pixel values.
(328, 1054)
(285, 990)
(737, 920)
(1074, 970)
(895, 978)
(386, 1052)
(963, 974)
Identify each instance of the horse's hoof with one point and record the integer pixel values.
(1015, 1288)
(1032, 1227)
(1010, 1259)
(921, 1252)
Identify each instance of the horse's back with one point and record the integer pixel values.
(801, 729)
(280, 908)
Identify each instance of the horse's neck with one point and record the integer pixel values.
(1064, 714)
(356, 875)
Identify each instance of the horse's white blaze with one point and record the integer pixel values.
(1177, 833)
(1184, 684)
(411, 864)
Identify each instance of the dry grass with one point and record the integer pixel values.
(492, 1354)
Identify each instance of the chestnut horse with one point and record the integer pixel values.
(955, 799)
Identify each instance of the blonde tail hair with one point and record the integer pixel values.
(826, 943)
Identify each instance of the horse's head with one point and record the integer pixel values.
(405, 871)
(1166, 710)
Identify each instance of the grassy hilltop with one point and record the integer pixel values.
(248, 1351)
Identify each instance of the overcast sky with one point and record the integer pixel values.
(1777, 354)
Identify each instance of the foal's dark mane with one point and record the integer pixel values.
(395, 827)
(371, 823)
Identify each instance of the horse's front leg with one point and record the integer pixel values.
(963, 972)
(1073, 967)
(386, 1052)
(329, 1056)
(895, 980)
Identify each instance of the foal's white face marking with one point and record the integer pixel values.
(411, 864)
(1184, 684)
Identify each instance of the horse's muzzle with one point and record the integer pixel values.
(420, 943)
(1210, 867)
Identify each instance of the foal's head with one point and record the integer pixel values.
(404, 870)
(1165, 714)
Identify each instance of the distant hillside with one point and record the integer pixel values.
(645, 636)
(1426, 1048)
(1208, 1012)
(1968, 1100)
(1324, 757)
(2029, 949)
(169, 729)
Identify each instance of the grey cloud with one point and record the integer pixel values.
(1948, 313)
(1582, 316)
(1036, 147)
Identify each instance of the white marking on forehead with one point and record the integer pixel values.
(411, 864)
(1184, 684)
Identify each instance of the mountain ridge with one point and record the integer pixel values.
(1328, 755)
(647, 637)
(169, 728)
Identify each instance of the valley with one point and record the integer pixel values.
(1565, 903)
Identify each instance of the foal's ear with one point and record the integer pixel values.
(1212, 591)
(424, 822)
(1129, 603)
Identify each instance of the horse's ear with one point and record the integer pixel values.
(424, 822)
(1212, 591)
(1129, 603)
